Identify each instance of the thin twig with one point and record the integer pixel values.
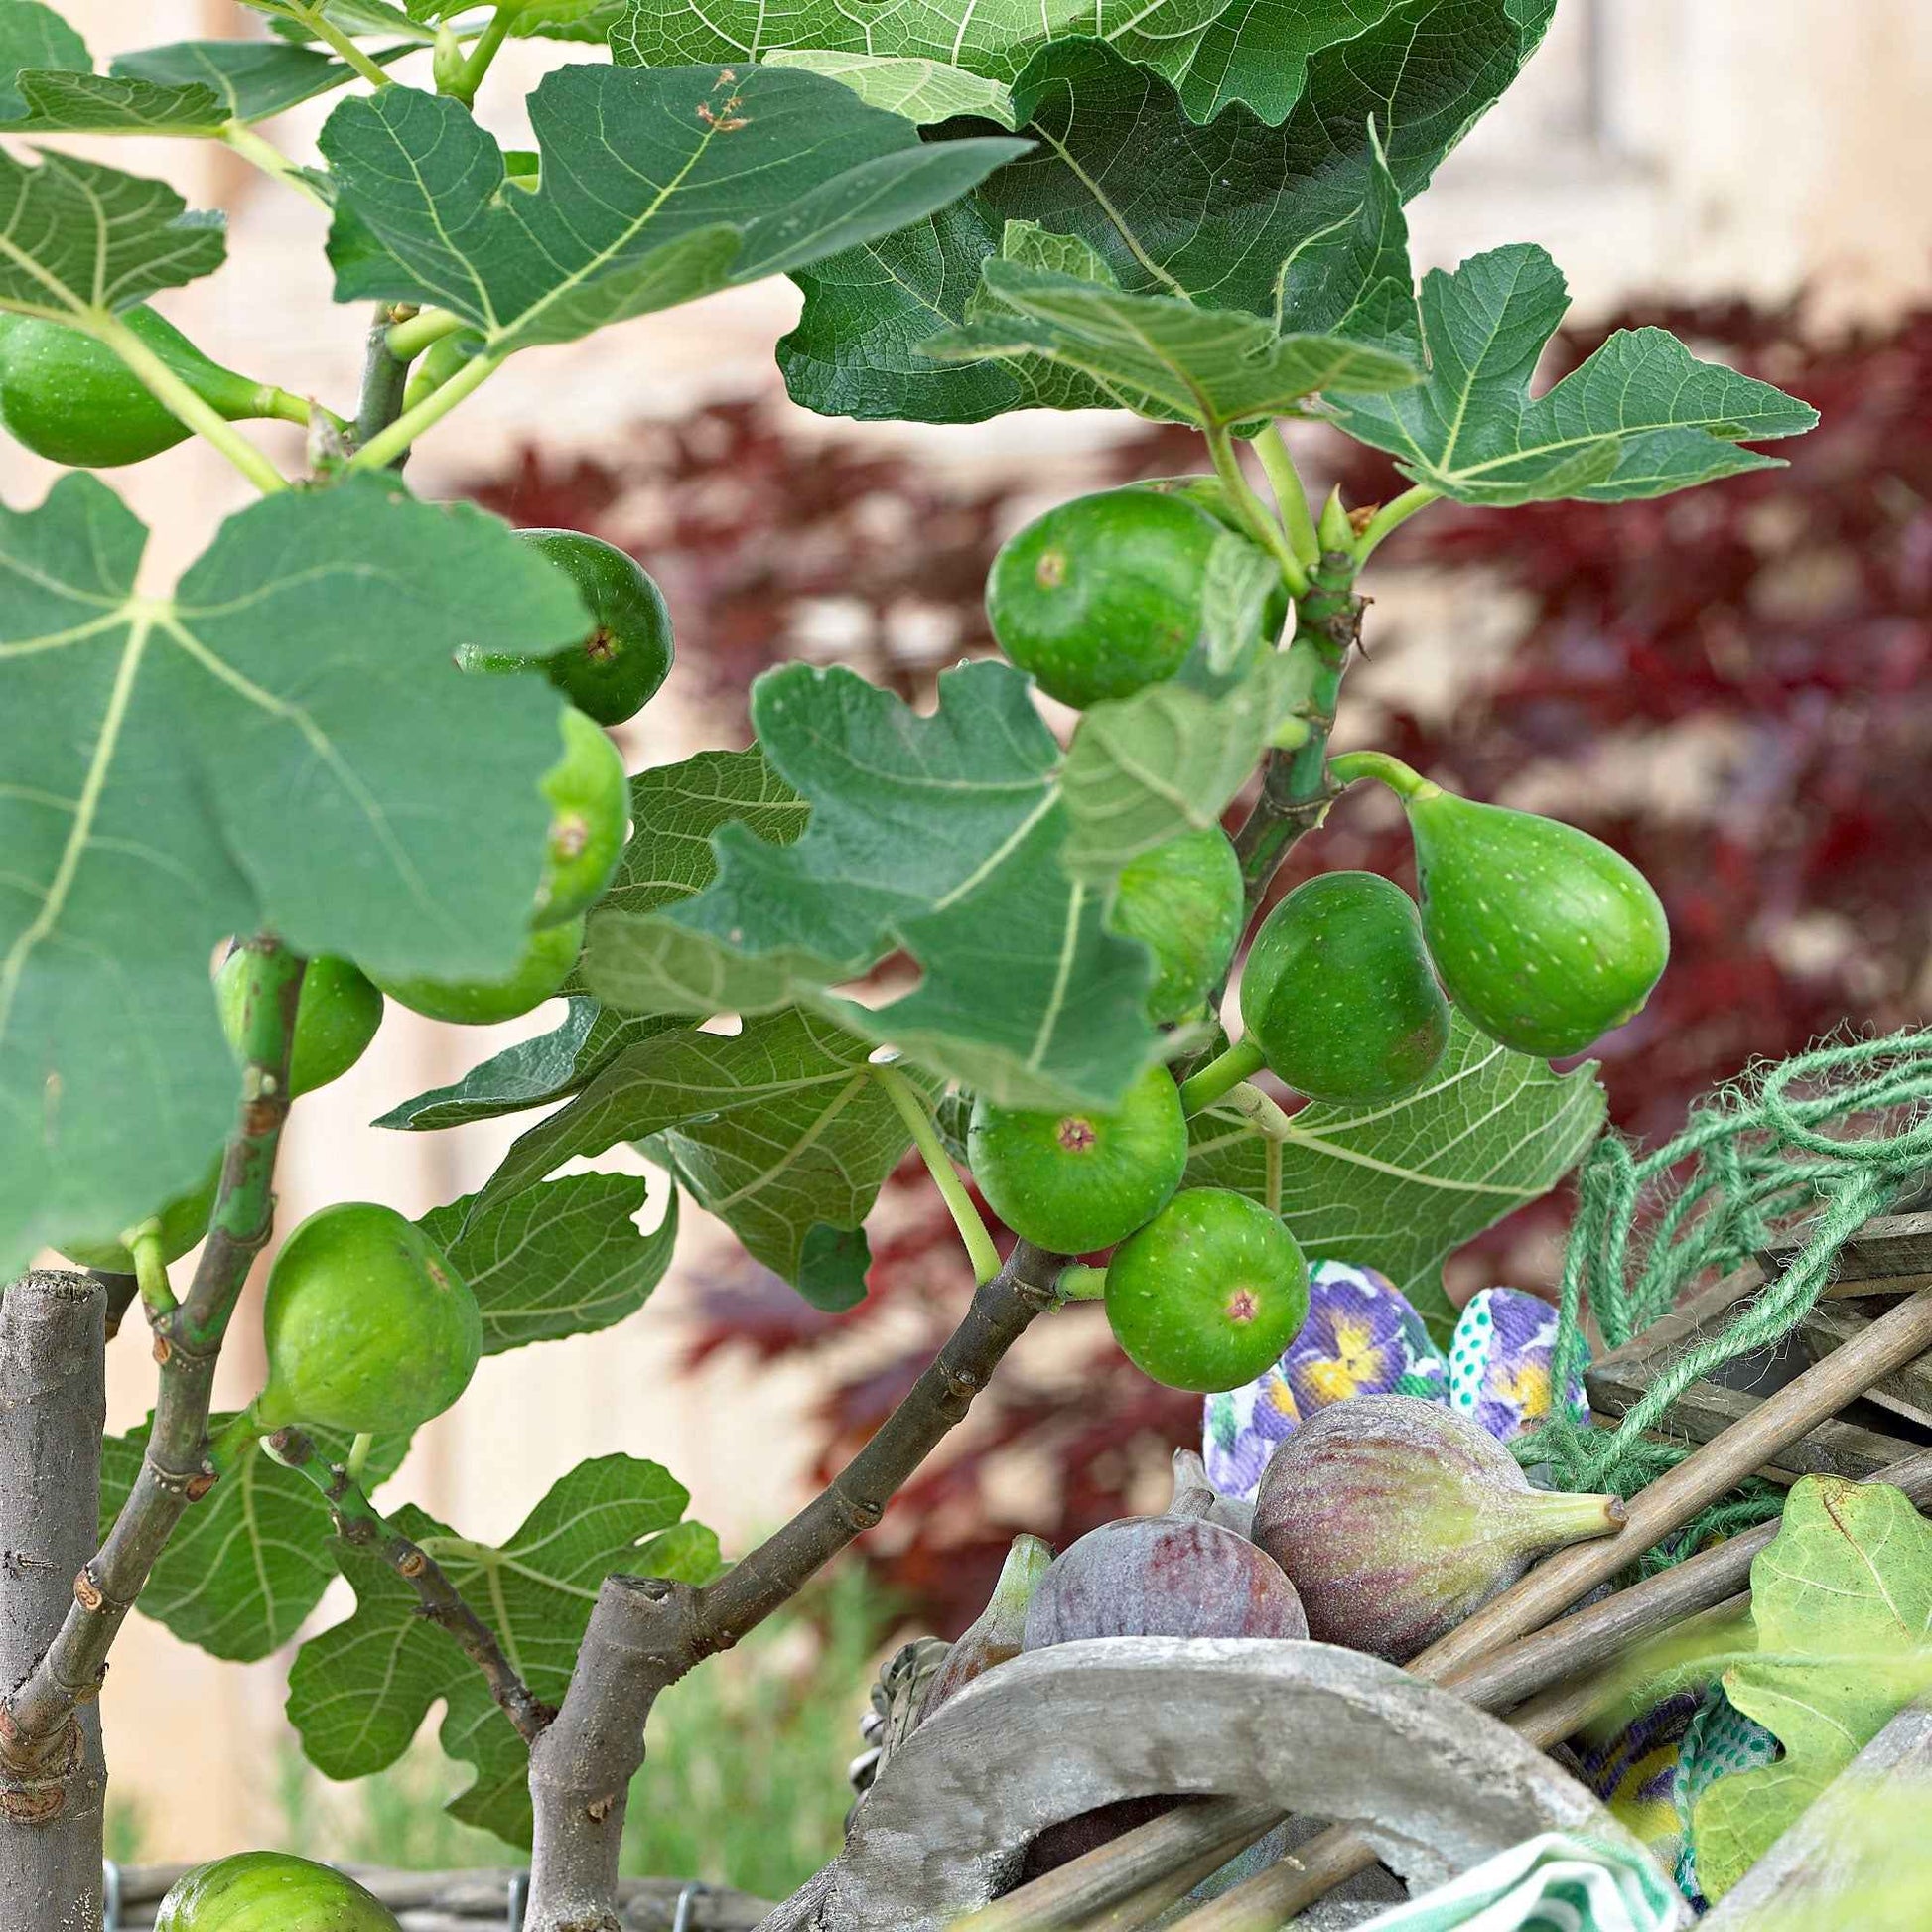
(359, 1523)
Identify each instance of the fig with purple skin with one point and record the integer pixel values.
(1162, 1576)
(1396, 1519)
(993, 1635)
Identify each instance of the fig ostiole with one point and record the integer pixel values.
(369, 1329)
(994, 1634)
(1077, 1180)
(1162, 1576)
(270, 1891)
(1338, 993)
(1395, 1519)
(1545, 936)
(590, 815)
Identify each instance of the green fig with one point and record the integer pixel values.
(1081, 1180)
(590, 815)
(72, 400)
(369, 1328)
(1209, 1293)
(270, 1891)
(1184, 901)
(1338, 993)
(619, 663)
(1102, 595)
(994, 1634)
(1544, 937)
(1395, 1519)
(184, 1220)
(545, 965)
(334, 1021)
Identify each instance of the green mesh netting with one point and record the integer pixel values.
(1816, 1145)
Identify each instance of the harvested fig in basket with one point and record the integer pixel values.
(1396, 1519)
(993, 1635)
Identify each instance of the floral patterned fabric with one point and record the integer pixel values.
(1362, 1337)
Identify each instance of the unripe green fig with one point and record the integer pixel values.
(72, 400)
(1103, 594)
(1082, 1180)
(1338, 993)
(369, 1328)
(336, 1019)
(184, 1222)
(618, 665)
(270, 1891)
(1544, 937)
(1396, 1519)
(1182, 902)
(1162, 1576)
(590, 814)
(547, 959)
(994, 1634)
(1208, 1295)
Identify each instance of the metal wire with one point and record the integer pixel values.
(519, 1901)
(682, 1917)
(110, 1897)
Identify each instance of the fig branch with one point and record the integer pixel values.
(361, 1524)
(188, 1344)
(646, 1632)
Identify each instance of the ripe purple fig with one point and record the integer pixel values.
(993, 1635)
(1395, 1519)
(1162, 1576)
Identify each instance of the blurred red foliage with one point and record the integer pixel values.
(1761, 644)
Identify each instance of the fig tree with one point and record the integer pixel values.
(270, 1891)
(72, 400)
(184, 1222)
(545, 965)
(590, 813)
(616, 667)
(334, 1021)
(1208, 1295)
(1338, 993)
(1182, 902)
(1082, 1180)
(369, 1328)
(1103, 594)
(1396, 1519)
(1162, 1576)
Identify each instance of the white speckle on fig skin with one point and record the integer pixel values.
(1396, 1519)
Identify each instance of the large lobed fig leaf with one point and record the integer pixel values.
(359, 1692)
(281, 744)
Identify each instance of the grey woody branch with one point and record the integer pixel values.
(646, 1632)
(174, 1471)
(359, 1523)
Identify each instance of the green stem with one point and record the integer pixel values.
(1202, 1089)
(1253, 512)
(358, 1464)
(408, 340)
(911, 1107)
(231, 1441)
(271, 160)
(183, 403)
(333, 37)
(1290, 500)
(151, 1267)
(1261, 1113)
(1391, 517)
(1402, 779)
(392, 442)
(481, 53)
(461, 1548)
(1079, 1281)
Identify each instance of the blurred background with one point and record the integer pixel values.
(1730, 686)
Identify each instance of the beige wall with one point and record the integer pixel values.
(1699, 146)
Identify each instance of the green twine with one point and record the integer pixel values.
(1779, 1146)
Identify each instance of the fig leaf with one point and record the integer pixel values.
(1400, 1184)
(360, 1691)
(1842, 1607)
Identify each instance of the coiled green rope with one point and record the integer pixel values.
(1825, 1141)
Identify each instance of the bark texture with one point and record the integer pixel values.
(52, 1407)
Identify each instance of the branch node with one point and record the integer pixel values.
(197, 1486)
(87, 1592)
(599, 1809)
